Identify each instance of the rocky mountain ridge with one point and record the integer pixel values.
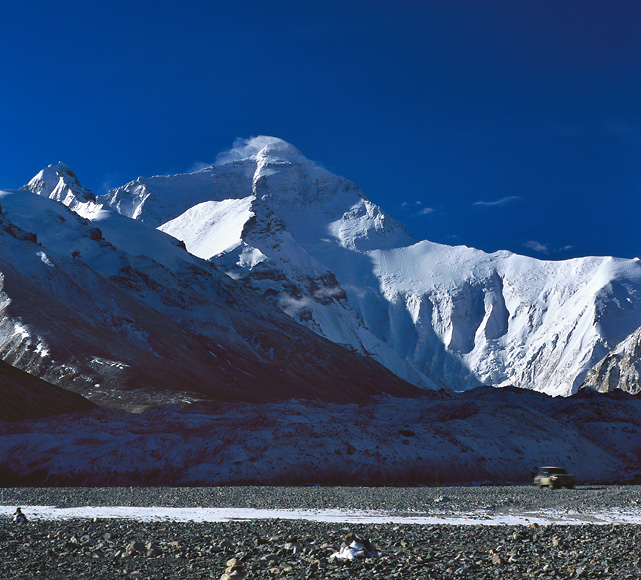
(619, 369)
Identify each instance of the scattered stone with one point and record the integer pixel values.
(19, 517)
(355, 548)
(153, 550)
(135, 548)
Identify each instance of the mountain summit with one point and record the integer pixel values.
(274, 177)
(59, 182)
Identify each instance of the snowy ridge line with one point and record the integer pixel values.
(152, 513)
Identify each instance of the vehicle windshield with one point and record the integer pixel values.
(555, 471)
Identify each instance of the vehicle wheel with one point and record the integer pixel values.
(570, 486)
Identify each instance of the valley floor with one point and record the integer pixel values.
(487, 436)
(297, 548)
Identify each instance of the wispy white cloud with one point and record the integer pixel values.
(292, 305)
(417, 205)
(537, 246)
(544, 248)
(497, 202)
(323, 293)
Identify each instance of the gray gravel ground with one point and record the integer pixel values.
(300, 549)
(400, 500)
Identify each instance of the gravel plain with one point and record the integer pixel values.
(120, 548)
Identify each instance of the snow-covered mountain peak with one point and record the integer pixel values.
(283, 188)
(259, 148)
(123, 314)
(58, 182)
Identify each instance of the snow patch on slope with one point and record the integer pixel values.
(211, 228)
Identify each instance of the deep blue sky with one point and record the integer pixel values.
(496, 124)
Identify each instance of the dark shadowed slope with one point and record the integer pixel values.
(23, 396)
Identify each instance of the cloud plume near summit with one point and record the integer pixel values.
(246, 147)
